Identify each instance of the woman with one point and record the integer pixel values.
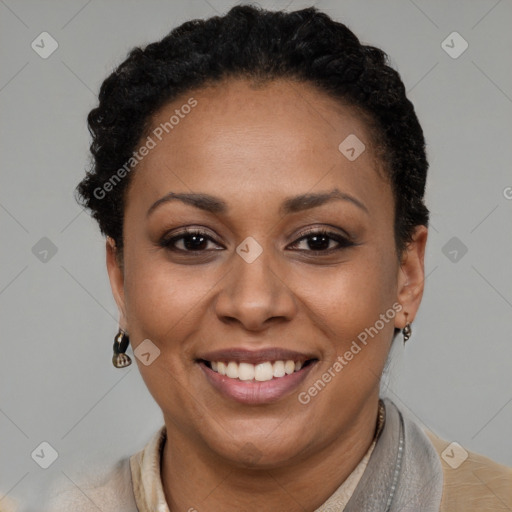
(260, 179)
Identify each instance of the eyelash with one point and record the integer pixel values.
(344, 242)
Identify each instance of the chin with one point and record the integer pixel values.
(258, 444)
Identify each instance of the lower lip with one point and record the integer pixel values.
(253, 392)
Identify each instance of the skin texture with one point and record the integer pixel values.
(253, 147)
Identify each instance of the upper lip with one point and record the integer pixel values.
(241, 355)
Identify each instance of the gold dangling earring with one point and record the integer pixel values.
(121, 342)
(406, 331)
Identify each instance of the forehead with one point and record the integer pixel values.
(239, 140)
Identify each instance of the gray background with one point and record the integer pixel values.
(58, 318)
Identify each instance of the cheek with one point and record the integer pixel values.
(355, 311)
(161, 297)
(163, 302)
(366, 321)
(352, 297)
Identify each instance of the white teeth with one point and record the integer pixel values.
(232, 370)
(246, 371)
(263, 372)
(260, 372)
(221, 367)
(279, 369)
(289, 367)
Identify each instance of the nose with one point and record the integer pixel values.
(255, 294)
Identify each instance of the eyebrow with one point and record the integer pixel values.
(290, 205)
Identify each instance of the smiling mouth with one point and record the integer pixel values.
(261, 372)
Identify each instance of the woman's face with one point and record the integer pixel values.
(252, 288)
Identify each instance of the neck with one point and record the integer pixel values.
(192, 481)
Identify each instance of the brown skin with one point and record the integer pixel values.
(254, 147)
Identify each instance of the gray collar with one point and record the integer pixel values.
(404, 472)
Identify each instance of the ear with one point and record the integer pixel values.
(116, 277)
(411, 277)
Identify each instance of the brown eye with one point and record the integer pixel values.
(191, 240)
(321, 241)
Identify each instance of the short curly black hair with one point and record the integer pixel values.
(254, 43)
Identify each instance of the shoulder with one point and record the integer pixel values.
(9, 504)
(471, 481)
(110, 492)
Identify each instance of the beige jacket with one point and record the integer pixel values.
(478, 483)
(475, 483)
